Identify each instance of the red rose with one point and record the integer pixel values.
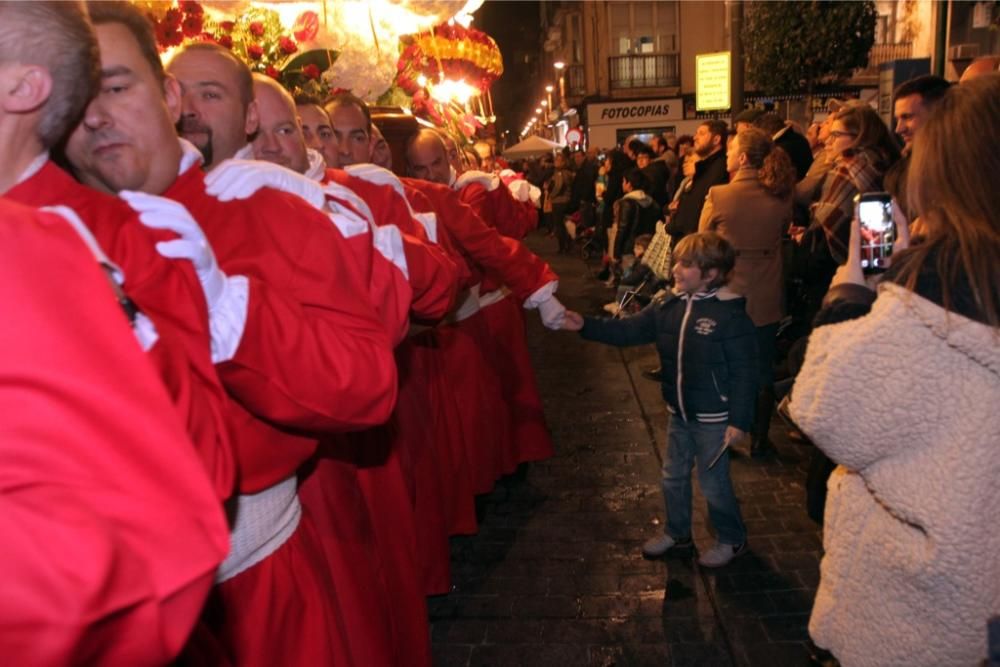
(287, 45)
(172, 19)
(255, 51)
(192, 8)
(256, 28)
(272, 72)
(311, 72)
(227, 26)
(192, 25)
(306, 26)
(226, 41)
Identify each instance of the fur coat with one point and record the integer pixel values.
(907, 401)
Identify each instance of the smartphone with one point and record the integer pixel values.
(878, 232)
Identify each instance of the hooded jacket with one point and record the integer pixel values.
(708, 352)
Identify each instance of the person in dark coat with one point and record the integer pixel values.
(657, 173)
(787, 139)
(710, 146)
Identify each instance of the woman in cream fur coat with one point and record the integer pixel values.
(907, 401)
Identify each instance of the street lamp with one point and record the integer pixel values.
(560, 66)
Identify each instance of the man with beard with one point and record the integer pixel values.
(112, 530)
(710, 170)
(312, 357)
(171, 320)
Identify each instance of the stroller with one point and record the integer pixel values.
(583, 234)
(658, 259)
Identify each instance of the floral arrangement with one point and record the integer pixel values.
(256, 36)
(449, 52)
(448, 73)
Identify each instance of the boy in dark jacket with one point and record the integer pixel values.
(708, 351)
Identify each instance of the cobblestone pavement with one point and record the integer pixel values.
(555, 575)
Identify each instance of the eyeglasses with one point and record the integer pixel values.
(835, 134)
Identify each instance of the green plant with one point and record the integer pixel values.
(796, 46)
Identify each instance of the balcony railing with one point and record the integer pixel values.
(647, 70)
(576, 81)
(883, 53)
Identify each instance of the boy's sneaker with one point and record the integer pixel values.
(658, 546)
(721, 554)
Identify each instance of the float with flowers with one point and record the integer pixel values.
(416, 54)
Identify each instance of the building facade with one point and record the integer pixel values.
(629, 66)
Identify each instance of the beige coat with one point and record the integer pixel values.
(907, 401)
(751, 219)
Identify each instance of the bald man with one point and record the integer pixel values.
(500, 311)
(980, 67)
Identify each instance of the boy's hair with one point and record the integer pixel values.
(708, 250)
(637, 179)
(642, 240)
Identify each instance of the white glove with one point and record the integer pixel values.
(162, 213)
(239, 179)
(553, 313)
(520, 189)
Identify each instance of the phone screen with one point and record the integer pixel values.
(877, 232)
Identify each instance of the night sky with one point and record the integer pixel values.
(516, 28)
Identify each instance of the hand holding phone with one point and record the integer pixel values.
(876, 229)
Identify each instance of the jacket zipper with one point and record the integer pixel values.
(680, 355)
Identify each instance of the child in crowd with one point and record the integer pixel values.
(708, 351)
(634, 275)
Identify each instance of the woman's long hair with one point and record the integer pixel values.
(952, 184)
(871, 134)
(774, 168)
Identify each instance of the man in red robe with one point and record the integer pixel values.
(112, 531)
(302, 357)
(385, 593)
(499, 311)
(57, 76)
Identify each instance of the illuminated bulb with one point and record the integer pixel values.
(453, 91)
(549, 88)
(538, 110)
(422, 81)
(544, 103)
(559, 64)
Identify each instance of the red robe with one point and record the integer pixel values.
(111, 528)
(169, 293)
(360, 487)
(498, 329)
(499, 209)
(315, 358)
(506, 343)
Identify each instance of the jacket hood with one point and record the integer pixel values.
(975, 340)
(640, 198)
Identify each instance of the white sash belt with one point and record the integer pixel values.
(468, 306)
(264, 521)
(495, 296)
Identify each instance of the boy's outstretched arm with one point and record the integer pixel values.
(636, 330)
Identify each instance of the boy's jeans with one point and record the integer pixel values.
(687, 442)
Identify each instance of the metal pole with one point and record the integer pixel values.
(941, 38)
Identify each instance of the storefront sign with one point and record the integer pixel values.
(642, 112)
(712, 81)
